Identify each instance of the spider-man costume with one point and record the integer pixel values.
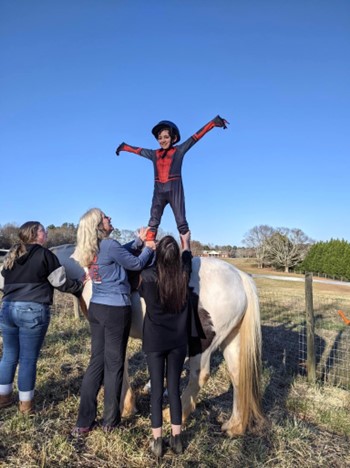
(168, 186)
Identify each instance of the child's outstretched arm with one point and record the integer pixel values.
(216, 122)
(130, 149)
(146, 153)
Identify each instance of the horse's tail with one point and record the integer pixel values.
(249, 391)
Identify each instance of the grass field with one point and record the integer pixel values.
(307, 426)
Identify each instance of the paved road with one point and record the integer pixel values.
(293, 278)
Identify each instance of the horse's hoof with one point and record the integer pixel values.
(129, 414)
(225, 426)
(232, 430)
(187, 411)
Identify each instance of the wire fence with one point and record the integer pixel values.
(285, 336)
(284, 333)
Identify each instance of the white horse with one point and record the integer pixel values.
(228, 309)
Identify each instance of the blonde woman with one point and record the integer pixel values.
(29, 275)
(109, 314)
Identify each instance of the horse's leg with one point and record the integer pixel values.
(230, 347)
(199, 374)
(127, 399)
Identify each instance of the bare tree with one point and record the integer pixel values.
(58, 235)
(196, 248)
(116, 234)
(256, 239)
(8, 235)
(126, 235)
(286, 248)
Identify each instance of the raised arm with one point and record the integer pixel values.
(192, 140)
(126, 259)
(186, 255)
(146, 153)
(216, 122)
(130, 149)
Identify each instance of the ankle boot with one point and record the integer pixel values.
(157, 447)
(176, 444)
(27, 407)
(6, 400)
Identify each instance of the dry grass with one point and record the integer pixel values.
(307, 426)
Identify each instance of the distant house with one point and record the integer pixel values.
(214, 253)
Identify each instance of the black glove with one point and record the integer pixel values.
(220, 122)
(118, 150)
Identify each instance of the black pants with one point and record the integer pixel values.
(110, 327)
(171, 192)
(174, 360)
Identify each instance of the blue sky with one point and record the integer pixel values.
(78, 77)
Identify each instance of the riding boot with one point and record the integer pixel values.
(27, 407)
(6, 400)
(176, 444)
(157, 447)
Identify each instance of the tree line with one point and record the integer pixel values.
(67, 233)
(279, 248)
(331, 258)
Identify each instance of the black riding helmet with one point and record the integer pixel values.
(166, 124)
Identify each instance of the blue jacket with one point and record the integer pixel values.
(110, 285)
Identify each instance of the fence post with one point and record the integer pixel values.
(310, 329)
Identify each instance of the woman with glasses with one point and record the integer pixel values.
(109, 314)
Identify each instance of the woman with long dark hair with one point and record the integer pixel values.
(164, 288)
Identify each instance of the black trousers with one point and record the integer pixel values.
(171, 192)
(174, 360)
(110, 327)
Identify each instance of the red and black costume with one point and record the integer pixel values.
(167, 165)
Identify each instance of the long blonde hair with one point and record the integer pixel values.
(89, 235)
(27, 234)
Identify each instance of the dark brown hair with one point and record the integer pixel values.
(172, 280)
(27, 234)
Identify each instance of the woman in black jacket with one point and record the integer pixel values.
(164, 288)
(28, 278)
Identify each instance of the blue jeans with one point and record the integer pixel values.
(24, 326)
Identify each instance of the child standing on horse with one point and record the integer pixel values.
(167, 163)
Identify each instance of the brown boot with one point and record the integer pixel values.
(26, 407)
(6, 400)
